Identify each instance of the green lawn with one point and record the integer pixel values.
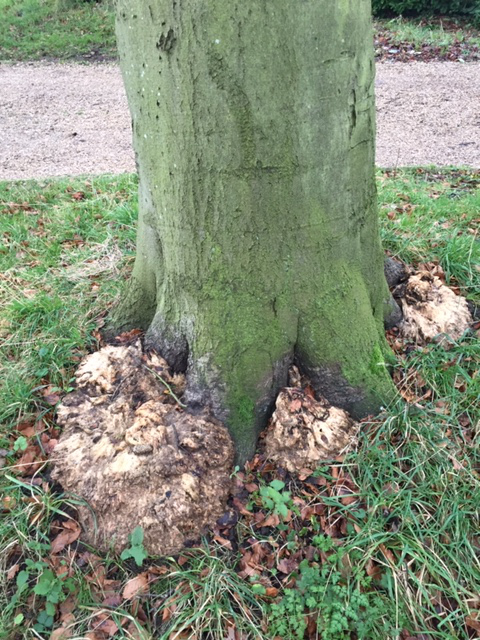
(400, 554)
(57, 29)
(435, 32)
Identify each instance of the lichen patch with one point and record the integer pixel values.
(131, 452)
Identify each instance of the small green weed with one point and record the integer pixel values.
(48, 585)
(336, 607)
(136, 550)
(275, 499)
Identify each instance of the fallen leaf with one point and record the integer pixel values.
(223, 541)
(273, 520)
(62, 633)
(388, 555)
(287, 565)
(67, 607)
(137, 634)
(473, 623)
(70, 533)
(30, 461)
(128, 336)
(107, 625)
(168, 612)
(158, 570)
(8, 503)
(135, 586)
(113, 601)
(12, 572)
(96, 635)
(27, 429)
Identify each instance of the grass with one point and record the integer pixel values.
(56, 29)
(430, 214)
(426, 40)
(436, 33)
(66, 246)
(401, 552)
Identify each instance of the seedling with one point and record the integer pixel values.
(136, 549)
(275, 499)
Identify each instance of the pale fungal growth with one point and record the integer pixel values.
(136, 458)
(305, 431)
(432, 311)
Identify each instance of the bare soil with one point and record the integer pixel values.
(72, 119)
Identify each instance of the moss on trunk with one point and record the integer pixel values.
(253, 125)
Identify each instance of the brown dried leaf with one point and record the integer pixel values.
(70, 533)
(223, 541)
(12, 572)
(388, 554)
(52, 398)
(97, 635)
(137, 634)
(67, 607)
(168, 612)
(27, 429)
(287, 565)
(374, 570)
(273, 520)
(62, 633)
(128, 336)
(113, 600)
(135, 586)
(8, 503)
(30, 461)
(473, 622)
(107, 625)
(157, 570)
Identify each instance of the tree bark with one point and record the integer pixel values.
(253, 126)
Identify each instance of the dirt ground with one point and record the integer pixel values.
(70, 119)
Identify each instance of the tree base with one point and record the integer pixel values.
(236, 357)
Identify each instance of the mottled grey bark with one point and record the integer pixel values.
(258, 244)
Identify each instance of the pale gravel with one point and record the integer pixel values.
(71, 119)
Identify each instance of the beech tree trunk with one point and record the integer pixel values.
(253, 126)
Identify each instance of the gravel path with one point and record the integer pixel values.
(73, 119)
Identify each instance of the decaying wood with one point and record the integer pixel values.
(432, 311)
(305, 431)
(136, 457)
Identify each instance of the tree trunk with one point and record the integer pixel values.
(253, 126)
